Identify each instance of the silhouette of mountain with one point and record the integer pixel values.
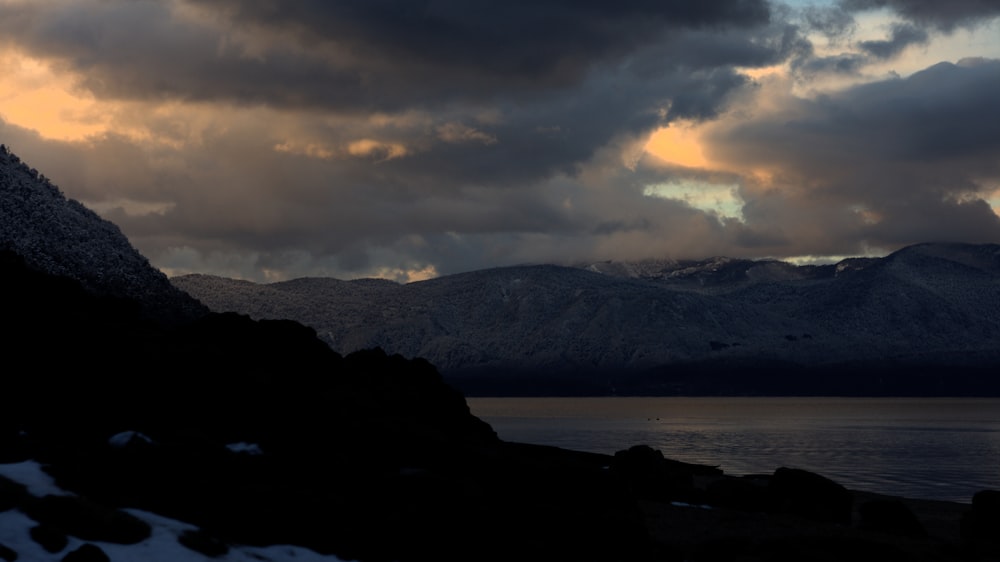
(62, 237)
(608, 327)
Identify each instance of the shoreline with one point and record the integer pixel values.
(558, 500)
(933, 449)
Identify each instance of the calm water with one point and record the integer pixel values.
(937, 448)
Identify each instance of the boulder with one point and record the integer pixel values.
(891, 517)
(646, 474)
(11, 494)
(982, 522)
(48, 537)
(810, 495)
(743, 494)
(87, 520)
(203, 543)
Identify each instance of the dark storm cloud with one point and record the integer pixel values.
(547, 84)
(848, 63)
(891, 162)
(901, 37)
(946, 113)
(943, 15)
(833, 22)
(838, 25)
(138, 50)
(556, 136)
(513, 39)
(351, 56)
(340, 137)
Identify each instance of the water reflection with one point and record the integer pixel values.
(938, 448)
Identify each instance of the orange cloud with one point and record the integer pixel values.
(35, 97)
(679, 145)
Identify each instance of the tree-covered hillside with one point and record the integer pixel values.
(62, 237)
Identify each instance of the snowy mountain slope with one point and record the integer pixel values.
(529, 317)
(925, 302)
(62, 237)
(719, 274)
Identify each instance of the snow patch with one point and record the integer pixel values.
(125, 438)
(161, 546)
(31, 475)
(245, 448)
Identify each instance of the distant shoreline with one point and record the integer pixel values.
(876, 379)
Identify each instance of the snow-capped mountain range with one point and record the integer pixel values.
(928, 304)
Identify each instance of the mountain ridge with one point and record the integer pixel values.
(918, 304)
(62, 237)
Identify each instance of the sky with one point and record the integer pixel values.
(271, 140)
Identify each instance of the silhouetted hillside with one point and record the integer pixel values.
(62, 237)
(112, 367)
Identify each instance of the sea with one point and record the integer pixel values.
(926, 448)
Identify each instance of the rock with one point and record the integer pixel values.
(86, 519)
(814, 548)
(11, 494)
(807, 494)
(737, 493)
(891, 517)
(203, 543)
(87, 553)
(648, 475)
(13, 446)
(982, 522)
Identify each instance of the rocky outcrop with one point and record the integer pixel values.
(981, 524)
(646, 474)
(810, 495)
(892, 517)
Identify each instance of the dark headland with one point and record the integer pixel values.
(136, 400)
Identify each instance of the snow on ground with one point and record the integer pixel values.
(31, 475)
(161, 546)
(246, 448)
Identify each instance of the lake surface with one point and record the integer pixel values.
(930, 448)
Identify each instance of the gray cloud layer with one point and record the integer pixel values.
(354, 56)
(347, 138)
(889, 163)
(941, 15)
